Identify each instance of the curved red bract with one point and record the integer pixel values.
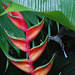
(25, 65)
(17, 19)
(35, 53)
(43, 71)
(20, 43)
(32, 32)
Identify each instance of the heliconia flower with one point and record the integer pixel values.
(35, 52)
(33, 31)
(43, 70)
(17, 19)
(23, 64)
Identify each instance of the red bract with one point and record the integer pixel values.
(21, 43)
(34, 31)
(43, 70)
(25, 65)
(17, 19)
(34, 53)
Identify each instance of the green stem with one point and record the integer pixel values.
(26, 55)
(49, 28)
(58, 26)
(33, 43)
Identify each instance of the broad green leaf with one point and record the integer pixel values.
(60, 18)
(61, 11)
(11, 8)
(31, 17)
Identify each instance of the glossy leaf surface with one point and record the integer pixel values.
(36, 51)
(43, 70)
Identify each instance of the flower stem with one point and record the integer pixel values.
(26, 55)
(58, 26)
(33, 43)
(49, 29)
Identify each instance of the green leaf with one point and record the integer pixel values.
(61, 11)
(16, 8)
(3, 43)
(60, 18)
(31, 17)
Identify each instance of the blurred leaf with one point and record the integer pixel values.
(3, 43)
(30, 16)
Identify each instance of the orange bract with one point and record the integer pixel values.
(25, 65)
(32, 32)
(43, 71)
(20, 43)
(35, 53)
